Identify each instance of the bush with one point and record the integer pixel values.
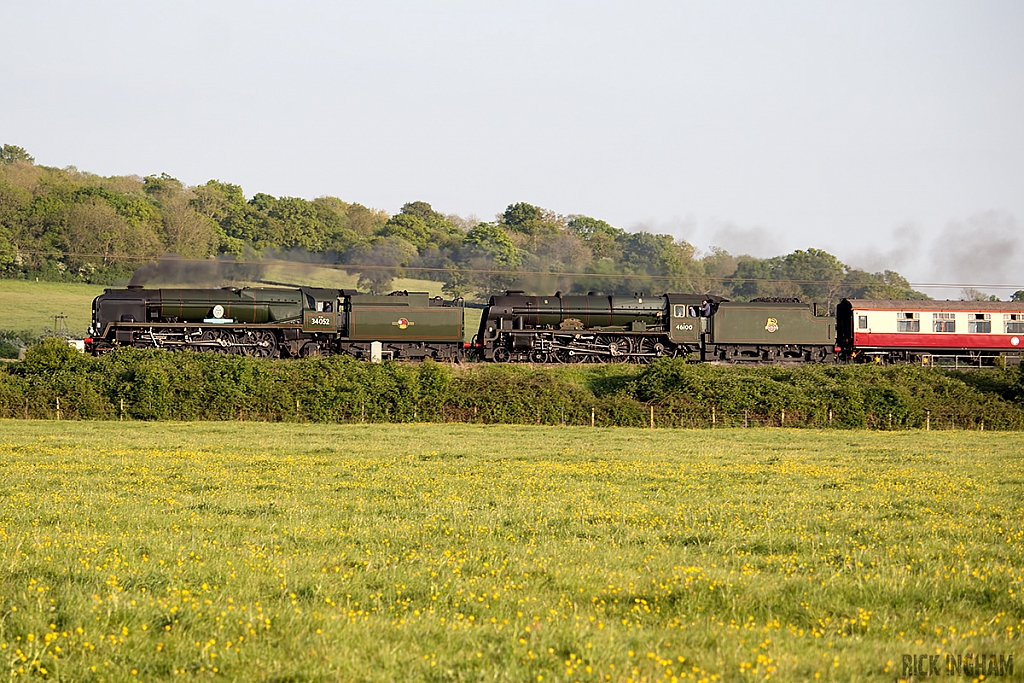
(155, 385)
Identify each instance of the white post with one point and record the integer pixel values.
(376, 352)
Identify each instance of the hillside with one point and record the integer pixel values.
(73, 226)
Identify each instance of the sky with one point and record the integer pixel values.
(890, 134)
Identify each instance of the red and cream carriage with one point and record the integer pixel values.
(869, 329)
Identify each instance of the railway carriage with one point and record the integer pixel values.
(920, 331)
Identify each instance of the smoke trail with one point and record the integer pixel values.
(985, 248)
(173, 270)
(755, 241)
(905, 246)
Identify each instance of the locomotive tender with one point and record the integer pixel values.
(514, 327)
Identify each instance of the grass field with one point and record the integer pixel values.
(260, 552)
(30, 306)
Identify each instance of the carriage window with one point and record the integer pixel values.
(862, 322)
(943, 322)
(980, 323)
(1014, 323)
(908, 322)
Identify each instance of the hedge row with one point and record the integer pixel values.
(154, 385)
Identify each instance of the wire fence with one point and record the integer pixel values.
(659, 417)
(652, 416)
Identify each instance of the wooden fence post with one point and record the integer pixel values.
(712, 416)
(927, 420)
(592, 416)
(652, 417)
(58, 407)
(121, 416)
(783, 423)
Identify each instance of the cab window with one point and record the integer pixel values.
(680, 311)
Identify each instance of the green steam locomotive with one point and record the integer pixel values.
(279, 322)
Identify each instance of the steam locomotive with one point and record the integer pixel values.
(278, 322)
(514, 327)
(595, 328)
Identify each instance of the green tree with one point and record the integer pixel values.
(365, 221)
(409, 227)
(219, 201)
(419, 224)
(162, 186)
(186, 232)
(1018, 295)
(490, 240)
(10, 154)
(534, 223)
(818, 273)
(645, 253)
(298, 224)
(599, 236)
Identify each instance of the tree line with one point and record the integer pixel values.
(70, 225)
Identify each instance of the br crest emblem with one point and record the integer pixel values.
(402, 323)
(772, 325)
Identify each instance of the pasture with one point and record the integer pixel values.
(30, 306)
(300, 552)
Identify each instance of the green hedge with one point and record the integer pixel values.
(155, 385)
